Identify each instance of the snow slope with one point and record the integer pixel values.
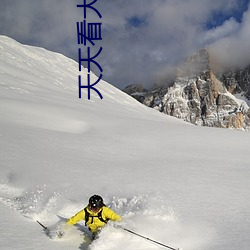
(176, 183)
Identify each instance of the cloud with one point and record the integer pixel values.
(233, 49)
(142, 40)
(228, 28)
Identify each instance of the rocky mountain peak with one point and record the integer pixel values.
(196, 64)
(202, 97)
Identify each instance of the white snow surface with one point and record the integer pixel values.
(182, 185)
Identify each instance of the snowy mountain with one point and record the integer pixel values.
(201, 96)
(182, 185)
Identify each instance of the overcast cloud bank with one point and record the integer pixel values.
(142, 40)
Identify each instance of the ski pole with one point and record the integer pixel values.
(45, 228)
(146, 238)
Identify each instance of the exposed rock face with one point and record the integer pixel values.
(199, 97)
(237, 81)
(137, 91)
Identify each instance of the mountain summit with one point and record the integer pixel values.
(201, 96)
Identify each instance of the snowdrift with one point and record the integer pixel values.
(179, 184)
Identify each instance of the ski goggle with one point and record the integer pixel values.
(94, 208)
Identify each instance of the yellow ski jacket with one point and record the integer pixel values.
(94, 223)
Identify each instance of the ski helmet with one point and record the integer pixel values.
(96, 202)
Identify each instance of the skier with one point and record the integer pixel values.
(95, 214)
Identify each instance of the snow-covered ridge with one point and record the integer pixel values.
(34, 73)
(39, 69)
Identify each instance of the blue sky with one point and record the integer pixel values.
(137, 21)
(142, 40)
(218, 17)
